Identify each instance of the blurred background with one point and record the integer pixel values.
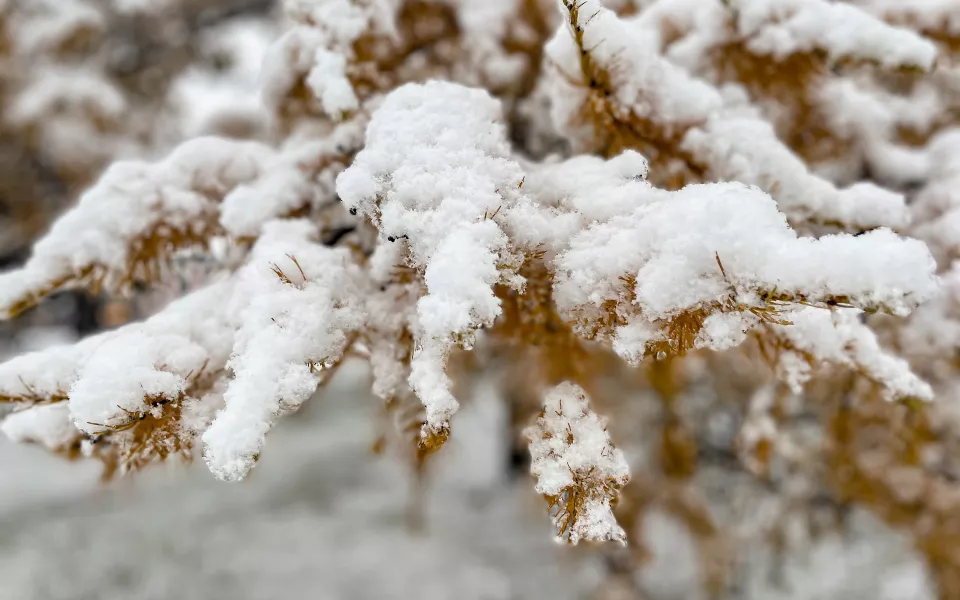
(323, 517)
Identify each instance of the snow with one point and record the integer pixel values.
(746, 148)
(343, 21)
(672, 243)
(45, 373)
(784, 27)
(131, 201)
(320, 48)
(571, 194)
(933, 15)
(640, 78)
(324, 513)
(74, 110)
(203, 184)
(285, 61)
(290, 330)
(570, 453)
(328, 81)
(214, 96)
(125, 374)
(391, 313)
(839, 337)
(110, 375)
(48, 24)
(46, 424)
(718, 128)
(444, 194)
(432, 175)
(723, 330)
(84, 90)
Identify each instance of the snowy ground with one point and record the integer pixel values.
(321, 518)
